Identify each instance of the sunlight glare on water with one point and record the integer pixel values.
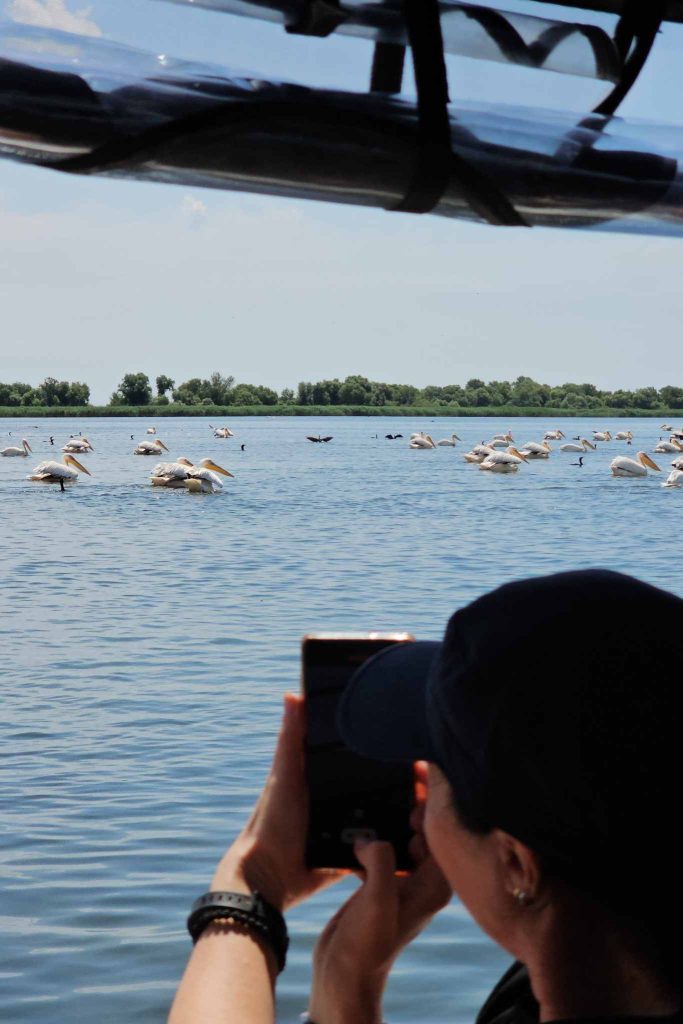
(148, 636)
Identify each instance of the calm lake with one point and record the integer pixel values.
(147, 637)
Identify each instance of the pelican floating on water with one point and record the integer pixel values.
(451, 442)
(678, 463)
(602, 435)
(58, 472)
(553, 435)
(534, 450)
(24, 450)
(223, 432)
(664, 447)
(151, 430)
(150, 447)
(503, 462)
(622, 466)
(623, 435)
(422, 441)
(205, 477)
(478, 453)
(78, 446)
(674, 479)
(572, 446)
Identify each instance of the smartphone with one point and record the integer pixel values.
(350, 797)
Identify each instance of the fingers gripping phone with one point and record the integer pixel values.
(350, 797)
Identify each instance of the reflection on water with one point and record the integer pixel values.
(148, 636)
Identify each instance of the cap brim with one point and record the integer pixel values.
(383, 711)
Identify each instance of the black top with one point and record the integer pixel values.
(513, 1002)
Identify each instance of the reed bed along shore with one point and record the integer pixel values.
(454, 412)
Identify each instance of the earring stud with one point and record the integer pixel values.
(523, 898)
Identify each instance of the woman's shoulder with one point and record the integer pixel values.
(511, 1001)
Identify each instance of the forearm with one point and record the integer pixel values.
(229, 979)
(360, 1003)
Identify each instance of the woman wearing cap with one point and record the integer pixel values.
(552, 803)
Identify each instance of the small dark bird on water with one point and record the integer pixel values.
(61, 486)
(392, 437)
(318, 439)
(242, 447)
(132, 437)
(52, 440)
(580, 462)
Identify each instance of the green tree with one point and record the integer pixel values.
(671, 397)
(266, 395)
(355, 390)
(304, 393)
(245, 394)
(164, 384)
(287, 396)
(134, 389)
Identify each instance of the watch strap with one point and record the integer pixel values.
(249, 910)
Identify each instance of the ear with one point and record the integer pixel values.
(519, 866)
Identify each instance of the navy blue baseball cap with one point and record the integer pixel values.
(550, 705)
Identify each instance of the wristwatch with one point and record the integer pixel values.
(249, 910)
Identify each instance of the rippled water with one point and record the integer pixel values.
(148, 635)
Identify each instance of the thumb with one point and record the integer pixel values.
(379, 861)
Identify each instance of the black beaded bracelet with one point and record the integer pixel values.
(250, 911)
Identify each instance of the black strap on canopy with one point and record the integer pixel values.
(634, 37)
(436, 163)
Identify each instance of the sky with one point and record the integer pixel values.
(99, 278)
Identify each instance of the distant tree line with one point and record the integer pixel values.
(135, 389)
(51, 392)
(218, 390)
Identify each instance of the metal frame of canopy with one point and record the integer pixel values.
(442, 166)
(419, 24)
(634, 37)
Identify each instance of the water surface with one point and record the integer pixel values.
(147, 637)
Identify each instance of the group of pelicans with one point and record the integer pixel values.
(203, 477)
(499, 454)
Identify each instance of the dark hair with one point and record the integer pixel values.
(555, 718)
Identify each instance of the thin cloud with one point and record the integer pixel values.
(53, 14)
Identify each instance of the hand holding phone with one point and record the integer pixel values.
(350, 797)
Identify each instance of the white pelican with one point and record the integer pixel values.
(449, 441)
(223, 432)
(633, 467)
(678, 463)
(478, 453)
(171, 474)
(674, 479)
(534, 450)
(572, 446)
(553, 435)
(665, 426)
(623, 435)
(151, 430)
(203, 477)
(24, 450)
(504, 437)
(58, 472)
(503, 462)
(150, 448)
(602, 435)
(663, 447)
(421, 441)
(498, 442)
(78, 446)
